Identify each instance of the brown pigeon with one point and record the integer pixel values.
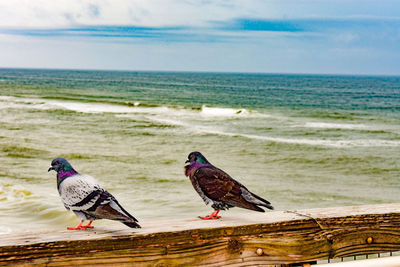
(216, 187)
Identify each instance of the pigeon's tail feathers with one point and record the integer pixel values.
(269, 206)
(126, 218)
(243, 203)
(255, 207)
(113, 211)
(256, 200)
(132, 224)
(123, 211)
(264, 203)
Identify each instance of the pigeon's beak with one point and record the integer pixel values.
(187, 161)
(51, 169)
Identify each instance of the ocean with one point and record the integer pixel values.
(299, 141)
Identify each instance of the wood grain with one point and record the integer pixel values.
(284, 237)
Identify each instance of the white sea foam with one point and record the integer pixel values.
(12, 99)
(16, 102)
(46, 104)
(328, 143)
(90, 107)
(13, 102)
(222, 112)
(5, 98)
(169, 121)
(326, 125)
(231, 112)
(43, 104)
(14, 193)
(311, 142)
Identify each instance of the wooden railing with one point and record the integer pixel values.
(274, 238)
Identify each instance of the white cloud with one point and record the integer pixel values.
(160, 13)
(150, 13)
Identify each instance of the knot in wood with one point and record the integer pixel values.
(234, 245)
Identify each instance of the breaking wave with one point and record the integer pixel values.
(326, 125)
(311, 142)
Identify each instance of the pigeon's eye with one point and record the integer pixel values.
(56, 163)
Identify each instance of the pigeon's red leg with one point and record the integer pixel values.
(88, 225)
(78, 227)
(212, 216)
(215, 214)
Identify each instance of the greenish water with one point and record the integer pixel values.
(300, 141)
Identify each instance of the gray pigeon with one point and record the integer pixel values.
(86, 198)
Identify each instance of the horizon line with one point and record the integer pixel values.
(200, 71)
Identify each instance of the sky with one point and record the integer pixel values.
(261, 36)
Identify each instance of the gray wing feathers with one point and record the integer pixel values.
(249, 197)
(89, 201)
(80, 192)
(254, 199)
(196, 186)
(117, 208)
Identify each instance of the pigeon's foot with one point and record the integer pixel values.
(212, 216)
(81, 227)
(88, 225)
(76, 228)
(209, 217)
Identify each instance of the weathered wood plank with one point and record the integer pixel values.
(381, 262)
(284, 237)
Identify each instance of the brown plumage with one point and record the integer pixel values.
(217, 187)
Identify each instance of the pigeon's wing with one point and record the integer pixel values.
(199, 190)
(107, 207)
(214, 182)
(79, 192)
(254, 199)
(82, 194)
(219, 186)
